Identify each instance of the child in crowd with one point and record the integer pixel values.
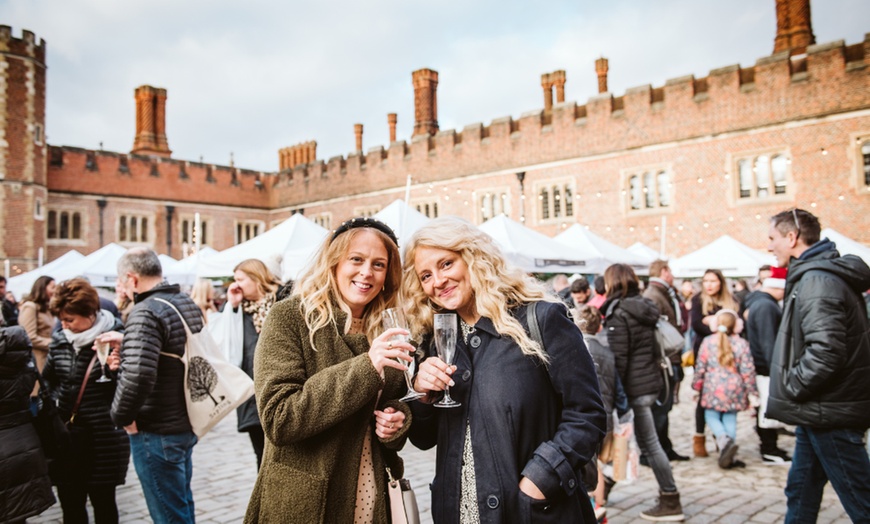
(588, 319)
(725, 377)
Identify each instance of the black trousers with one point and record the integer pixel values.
(74, 498)
(258, 440)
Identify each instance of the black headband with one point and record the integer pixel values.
(354, 223)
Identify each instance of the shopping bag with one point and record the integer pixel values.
(763, 384)
(403, 502)
(213, 387)
(626, 453)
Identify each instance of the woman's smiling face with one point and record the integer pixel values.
(361, 273)
(445, 279)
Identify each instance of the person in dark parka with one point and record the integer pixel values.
(97, 461)
(25, 488)
(630, 323)
(531, 417)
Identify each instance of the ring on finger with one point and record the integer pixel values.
(390, 345)
(392, 425)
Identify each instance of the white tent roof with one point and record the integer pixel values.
(733, 258)
(20, 285)
(100, 267)
(296, 240)
(166, 262)
(644, 251)
(847, 246)
(183, 272)
(597, 252)
(403, 219)
(530, 250)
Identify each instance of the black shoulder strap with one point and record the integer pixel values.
(534, 327)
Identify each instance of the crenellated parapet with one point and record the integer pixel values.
(828, 79)
(83, 171)
(26, 46)
(292, 156)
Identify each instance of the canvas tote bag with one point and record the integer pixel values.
(212, 386)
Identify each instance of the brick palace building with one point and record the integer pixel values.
(688, 161)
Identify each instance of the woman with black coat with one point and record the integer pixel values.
(630, 323)
(97, 462)
(237, 329)
(25, 489)
(531, 417)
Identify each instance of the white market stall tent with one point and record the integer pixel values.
(100, 267)
(183, 272)
(733, 258)
(644, 251)
(166, 262)
(847, 246)
(20, 285)
(598, 253)
(403, 219)
(530, 250)
(295, 240)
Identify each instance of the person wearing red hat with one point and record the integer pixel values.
(762, 314)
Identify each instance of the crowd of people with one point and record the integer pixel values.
(538, 375)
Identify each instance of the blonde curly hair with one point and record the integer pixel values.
(499, 286)
(319, 291)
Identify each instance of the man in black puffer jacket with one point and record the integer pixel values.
(820, 368)
(149, 400)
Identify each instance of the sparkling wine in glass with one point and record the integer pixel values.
(394, 318)
(102, 349)
(445, 342)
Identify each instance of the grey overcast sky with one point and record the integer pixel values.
(251, 77)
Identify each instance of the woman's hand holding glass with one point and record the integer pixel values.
(385, 351)
(434, 376)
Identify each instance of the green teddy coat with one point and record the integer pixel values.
(316, 406)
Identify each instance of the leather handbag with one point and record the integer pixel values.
(403, 502)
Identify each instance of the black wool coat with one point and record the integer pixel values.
(526, 420)
(630, 327)
(25, 489)
(101, 451)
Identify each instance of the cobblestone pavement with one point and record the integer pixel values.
(225, 471)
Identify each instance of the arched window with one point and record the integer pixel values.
(779, 167)
(664, 188)
(557, 203)
(865, 156)
(762, 176)
(744, 167)
(634, 188)
(545, 204)
(649, 189)
(569, 202)
(64, 224)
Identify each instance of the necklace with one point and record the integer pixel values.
(466, 330)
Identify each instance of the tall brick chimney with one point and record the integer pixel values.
(358, 131)
(392, 119)
(425, 102)
(558, 78)
(151, 122)
(794, 28)
(547, 84)
(601, 68)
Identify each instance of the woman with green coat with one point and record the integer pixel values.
(326, 386)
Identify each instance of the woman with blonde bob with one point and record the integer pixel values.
(326, 380)
(530, 417)
(237, 329)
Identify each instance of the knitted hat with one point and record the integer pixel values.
(776, 279)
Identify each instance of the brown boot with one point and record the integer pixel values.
(699, 445)
(668, 509)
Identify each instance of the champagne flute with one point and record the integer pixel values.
(445, 342)
(102, 349)
(394, 318)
